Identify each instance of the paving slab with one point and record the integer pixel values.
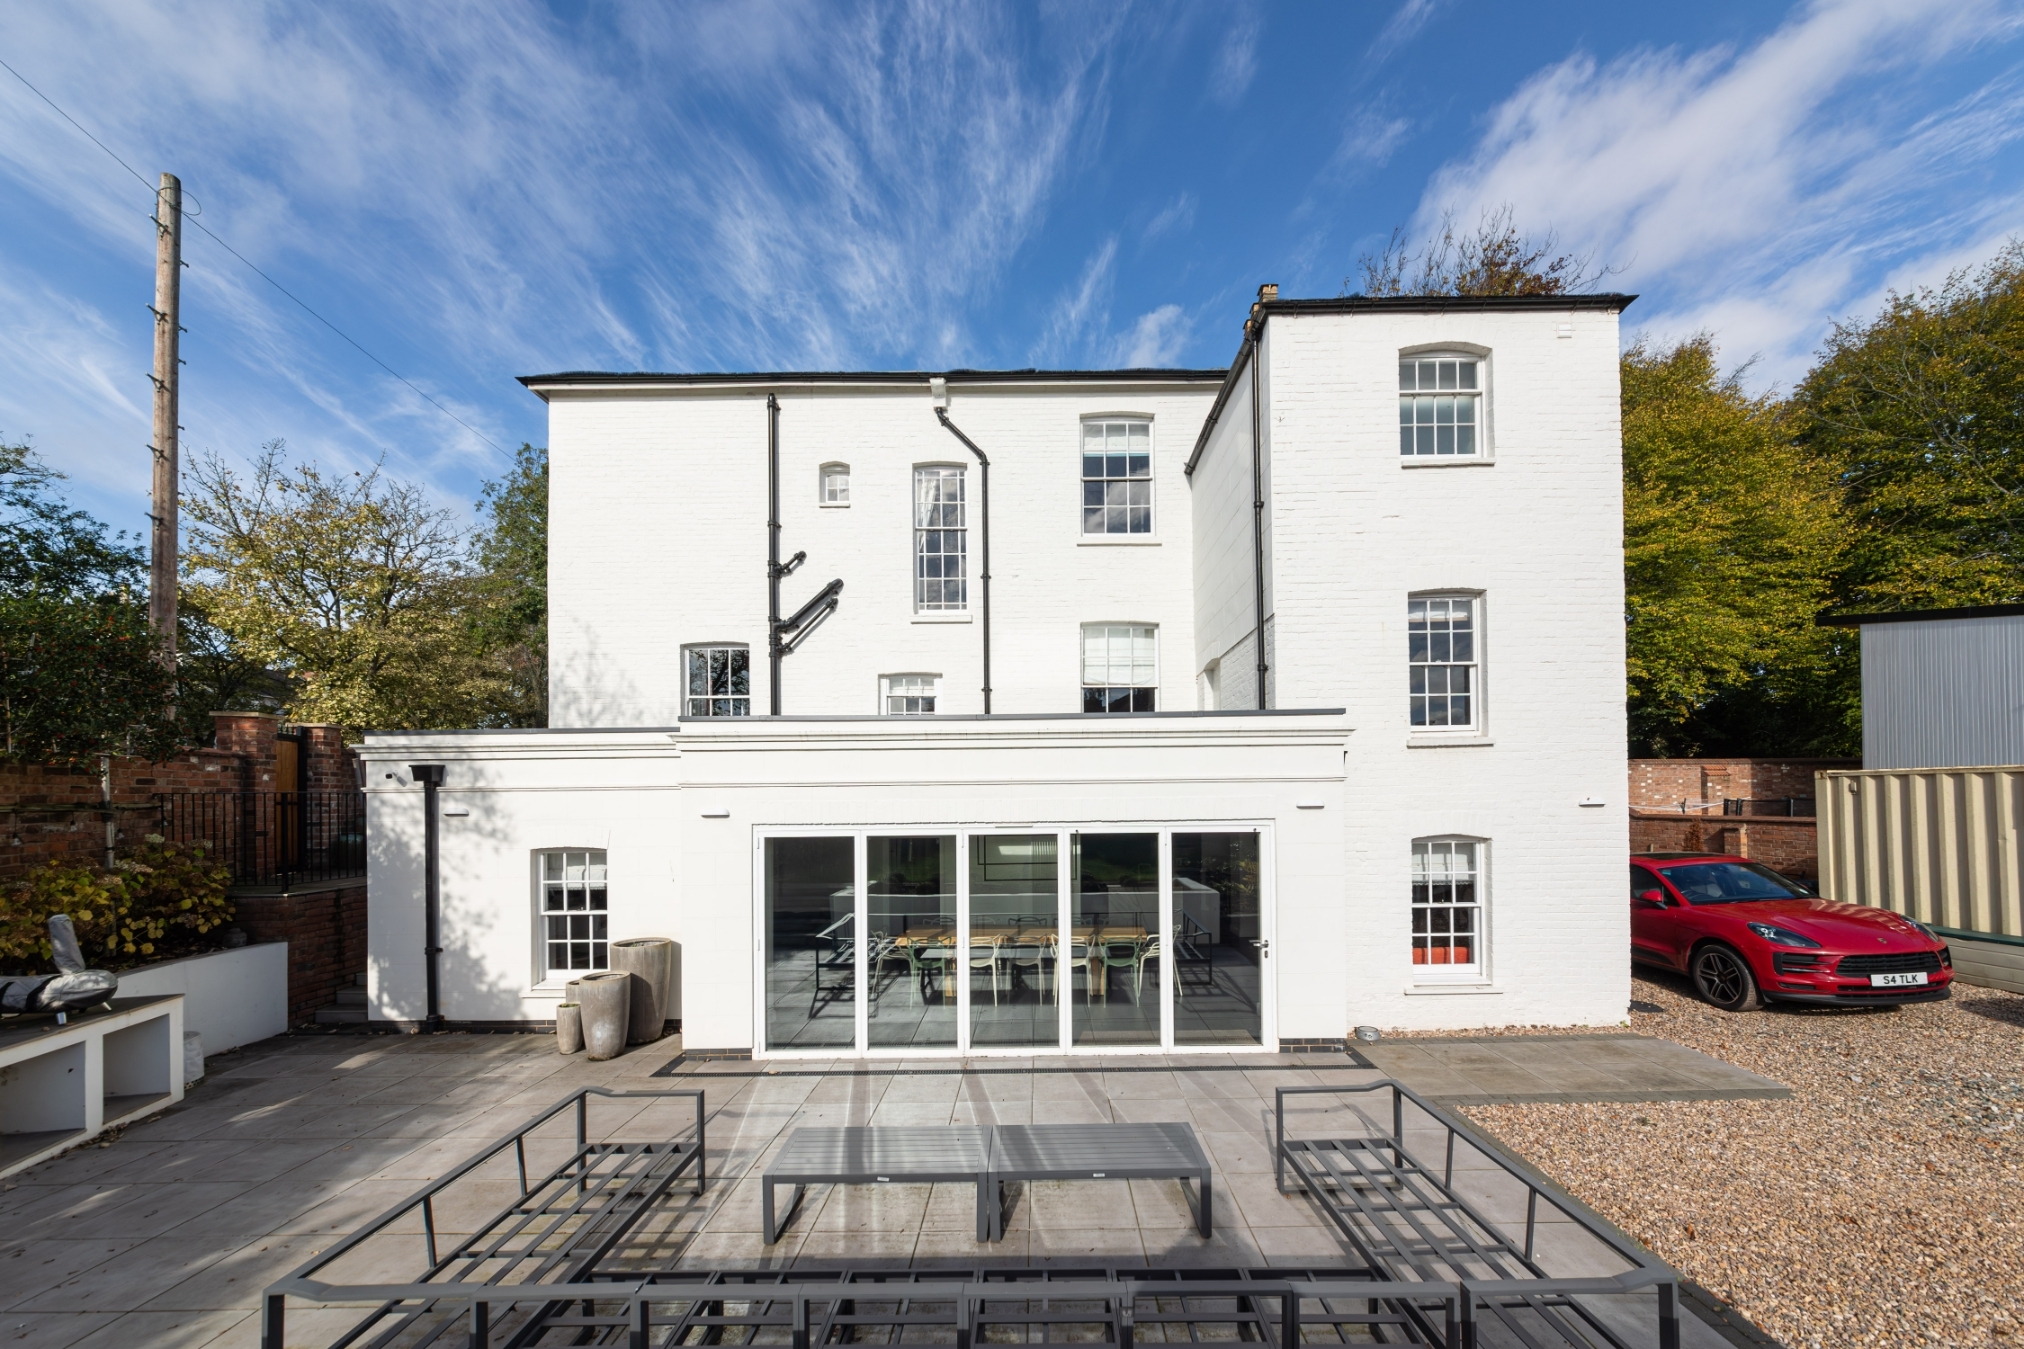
(1527, 1069)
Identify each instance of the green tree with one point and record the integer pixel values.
(1731, 540)
(356, 588)
(1919, 414)
(80, 673)
(511, 552)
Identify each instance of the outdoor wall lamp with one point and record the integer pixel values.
(430, 775)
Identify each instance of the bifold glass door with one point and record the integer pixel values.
(1034, 941)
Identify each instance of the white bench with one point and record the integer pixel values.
(63, 1084)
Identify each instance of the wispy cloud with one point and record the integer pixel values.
(1154, 340)
(1178, 214)
(1080, 312)
(1760, 190)
(1236, 63)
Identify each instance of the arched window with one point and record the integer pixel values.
(1441, 405)
(835, 485)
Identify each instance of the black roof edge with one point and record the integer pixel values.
(1441, 304)
(1136, 374)
(1920, 615)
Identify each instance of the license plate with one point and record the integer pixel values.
(1912, 980)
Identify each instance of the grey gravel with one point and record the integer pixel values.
(1881, 1204)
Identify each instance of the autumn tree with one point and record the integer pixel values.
(1732, 536)
(1493, 259)
(356, 587)
(1919, 416)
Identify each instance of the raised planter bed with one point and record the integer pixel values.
(231, 998)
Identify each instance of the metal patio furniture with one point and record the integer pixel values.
(835, 950)
(989, 962)
(1123, 954)
(877, 1155)
(1100, 1152)
(561, 1225)
(1406, 1221)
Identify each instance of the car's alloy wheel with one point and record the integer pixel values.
(1724, 979)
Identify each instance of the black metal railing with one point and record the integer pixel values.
(1768, 805)
(271, 838)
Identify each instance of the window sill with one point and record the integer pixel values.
(941, 618)
(1457, 989)
(1424, 741)
(1447, 461)
(1119, 541)
(834, 505)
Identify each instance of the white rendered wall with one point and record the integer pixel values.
(1536, 528)
(1226, 554)
(642, 799)
(658, 540)
(230, 998)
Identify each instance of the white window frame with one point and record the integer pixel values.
(897, 687)
(829, 493)
(1150, 683)
(1432, 399)
(923, 512)
(710, 699)
(596, 870)
(1126, 423)
(1422, 871)
(1429, 731)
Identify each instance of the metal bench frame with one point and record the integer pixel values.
(560, 1227)
(884, 1160)
(1102, 1152)
(1411, 1226)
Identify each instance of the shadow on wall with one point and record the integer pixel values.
(473, 986)
(587, 688)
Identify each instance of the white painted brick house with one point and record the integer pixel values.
(1420, 823)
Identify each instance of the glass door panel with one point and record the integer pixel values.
(1109, 970)
(911, 950)
(1217, 937)
(811, 943)
(1010, 952)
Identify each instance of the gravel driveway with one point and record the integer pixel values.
(1884, 1203)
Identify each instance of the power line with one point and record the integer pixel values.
(255, 270)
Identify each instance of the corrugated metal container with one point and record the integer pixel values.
(1944, 846)
(1942, 692)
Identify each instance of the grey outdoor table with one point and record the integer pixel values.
(1100, 1152)
(891, 1154)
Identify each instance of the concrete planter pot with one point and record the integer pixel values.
(650, 961)
(569, 1028)
(605, 1001)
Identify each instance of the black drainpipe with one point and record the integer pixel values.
(1257, 522)
(1254, 337)
(985, 500)
(773, 573)
(430, 775)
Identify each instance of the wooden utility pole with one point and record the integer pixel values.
(168, 468)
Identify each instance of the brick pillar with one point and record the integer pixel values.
(327, 765)
(250, 737)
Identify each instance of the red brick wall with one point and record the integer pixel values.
(1788, 845)
(50, 813)
(1657, 783)
(325, 932)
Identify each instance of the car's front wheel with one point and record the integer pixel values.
(1723, 977)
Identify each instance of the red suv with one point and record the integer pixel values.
(1747, 935)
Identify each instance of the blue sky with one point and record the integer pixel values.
(478, 191)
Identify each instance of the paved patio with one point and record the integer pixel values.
(166, 1236)
(1562, 1069)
